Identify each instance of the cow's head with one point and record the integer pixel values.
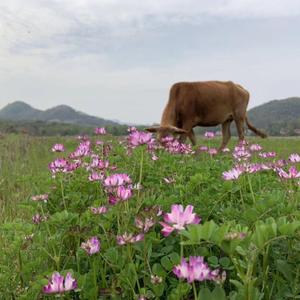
(163, 131)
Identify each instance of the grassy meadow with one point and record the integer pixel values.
(248, 237)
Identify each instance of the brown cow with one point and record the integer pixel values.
(206, 103)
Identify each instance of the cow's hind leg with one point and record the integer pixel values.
(226, 134)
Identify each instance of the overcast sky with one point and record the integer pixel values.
(118, 58)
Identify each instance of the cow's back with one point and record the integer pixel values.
(207, 103)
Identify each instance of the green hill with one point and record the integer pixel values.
(21, 111)
(278, 117)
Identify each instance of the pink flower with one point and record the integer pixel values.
(129, 238)
(94, 176)
(37, 219)
(100, 130)
(58, 165)
(255, 147)
(144, 225)
(212, 151)
(154, 157)
(59, 284)
(124, 193)
(294, 157)
(84, 149)
(178, 219)
(117, 180)
(203, 148)
(58, 148)
(267, 154)
(91, 246)
(292, 173)
(42, 197)
(195, 270)
(232, 174)
(240, 153)
(137, 138)
(99, 210)
(209, 134)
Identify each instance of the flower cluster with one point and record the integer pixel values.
(292, 173)
(173, 146)
(118, 187)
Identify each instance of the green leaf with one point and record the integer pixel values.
(218, 293)
(166, 263)
(224, 262)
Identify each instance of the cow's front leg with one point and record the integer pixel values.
(225, 134)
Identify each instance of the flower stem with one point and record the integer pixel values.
(195, 291)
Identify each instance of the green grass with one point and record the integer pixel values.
(240, 205)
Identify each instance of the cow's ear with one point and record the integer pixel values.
(175, 129)
(152, 129)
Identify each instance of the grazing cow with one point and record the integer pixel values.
(206, 103)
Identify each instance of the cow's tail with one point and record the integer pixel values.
(255, 130)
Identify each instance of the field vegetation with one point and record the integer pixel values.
(102, 217)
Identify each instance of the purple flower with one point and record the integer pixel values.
(209, 134)
(267, 154)
(241, 153)
(91, 246)
(59, 284)
(232, 174)
(94, 176)
(203, 148)
(124, 193)
(58, 165)
(178, 219)
(294, 157)
(255, 147)
(292, 173)
(212, 151)
(100, 130)
(99, 210)
(84, 149)
(129, 238)
(58, 148)
(137, 138)
(195, 270)
(117, 180)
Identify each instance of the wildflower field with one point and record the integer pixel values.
(107, 218)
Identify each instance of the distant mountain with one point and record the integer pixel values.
(278, 117)
(21, 111)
